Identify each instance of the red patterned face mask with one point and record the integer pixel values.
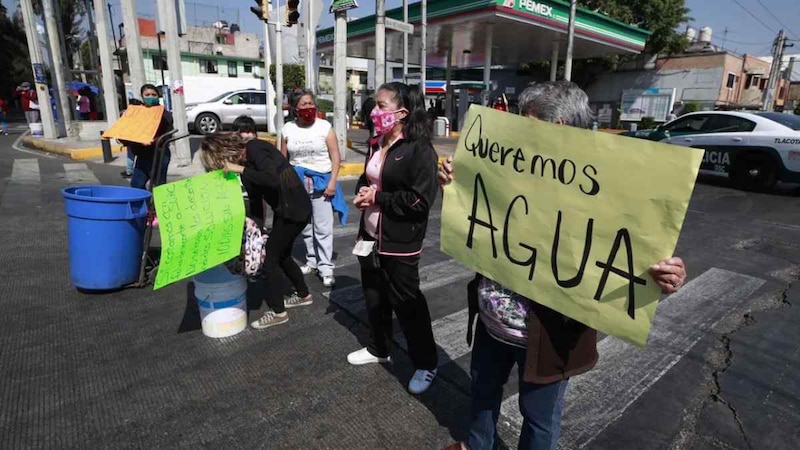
(307, 114)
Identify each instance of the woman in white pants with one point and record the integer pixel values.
(311, 147)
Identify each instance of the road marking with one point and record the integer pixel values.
(432, 276)
(79, 173)
(16, 146)
(26, 171)
(24, 184)
(624, 372)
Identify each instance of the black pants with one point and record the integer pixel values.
(395, 286)
(279, 259)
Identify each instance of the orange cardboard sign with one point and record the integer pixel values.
(138, 124)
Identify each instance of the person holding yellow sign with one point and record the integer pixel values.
(547, 346)
(145, 155)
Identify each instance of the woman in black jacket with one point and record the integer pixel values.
(267, 175)
(395, 194)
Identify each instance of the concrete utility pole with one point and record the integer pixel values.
(405, 43)
(573, 5)
(46, 113)
(380, 43)
(63, 106)
(487, 64)
(278, 73)
(133, 47)
(270, 89)
(170, 23)
(774, 72)
(107, 68)
(554, 61)
(424, 56)
(340, 81)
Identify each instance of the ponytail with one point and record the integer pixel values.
(416, 126)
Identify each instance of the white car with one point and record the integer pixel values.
(220, 112)
(756, 149)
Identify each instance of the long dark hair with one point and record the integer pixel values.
(416, 125)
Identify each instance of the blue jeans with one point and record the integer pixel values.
(130, 162)
(143, 166)
(540, 404)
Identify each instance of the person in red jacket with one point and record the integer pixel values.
(29, 100)
(4, 116)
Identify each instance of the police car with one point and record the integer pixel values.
(756, 149)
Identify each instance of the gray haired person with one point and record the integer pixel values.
(548, 348)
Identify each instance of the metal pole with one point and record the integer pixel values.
(59, 66)
(161, 58)
(133, 46)
(29, 19)
(570, 40)
(178, 102)
(554, 60)
(380, 43)
(448, 96)
(268, 81)
(340, 81)
(424, 55)
(107, 68)
(405, 43)
(487, 63)
(113, 33)
(278, 73)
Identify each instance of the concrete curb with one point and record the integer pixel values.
(72, 153)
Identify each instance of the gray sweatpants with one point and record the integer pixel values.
(318, 235)
(32, 116)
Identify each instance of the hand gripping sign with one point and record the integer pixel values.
(567, 217)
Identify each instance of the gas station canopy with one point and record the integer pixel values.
(521, 31)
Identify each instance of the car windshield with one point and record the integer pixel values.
(786, 120)
(219, 97)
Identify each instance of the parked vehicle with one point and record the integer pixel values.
(211, 116)
(755, 149)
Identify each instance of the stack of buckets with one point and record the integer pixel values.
(222, 300)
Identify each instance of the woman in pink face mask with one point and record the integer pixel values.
(395, 195)
(310, 145)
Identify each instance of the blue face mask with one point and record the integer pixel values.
(150, 101)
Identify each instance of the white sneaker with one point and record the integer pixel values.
(363, 356)
(328, 281)
(421, 381)
(307, 270)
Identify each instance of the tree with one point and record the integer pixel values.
(70, 14)
(16, 66)
(294, 76)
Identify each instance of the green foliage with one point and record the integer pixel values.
(797, 109)
(16, 66)
(690, 107)
(647, 123)
(661, 17)
(324, 105)
(294, 76)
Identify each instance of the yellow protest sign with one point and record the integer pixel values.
(138, 124)
(567, 217)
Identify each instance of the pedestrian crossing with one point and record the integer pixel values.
(623, 374)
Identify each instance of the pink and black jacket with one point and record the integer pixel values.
(409, 186)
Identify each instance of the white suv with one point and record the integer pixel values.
(211, 116)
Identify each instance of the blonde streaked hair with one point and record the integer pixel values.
(218, 148)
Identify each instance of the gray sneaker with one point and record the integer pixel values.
(269, 319)
(295, 300)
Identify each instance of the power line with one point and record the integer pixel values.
(748, 43)
(775, 17)
(753, 16)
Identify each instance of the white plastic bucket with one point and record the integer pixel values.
(37, 129)
(222, 299)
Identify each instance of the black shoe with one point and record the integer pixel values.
(125, 174)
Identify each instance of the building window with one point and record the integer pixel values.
(208, 66)
(232, 72)
(222, 39)
(763, 84)
(731, 80)
(248, 67)
(781, 92)
(159, 62)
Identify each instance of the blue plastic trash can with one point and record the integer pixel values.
(105, 228)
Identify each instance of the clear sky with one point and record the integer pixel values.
(744, 26)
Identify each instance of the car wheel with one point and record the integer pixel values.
(207, 123)
(755, 172)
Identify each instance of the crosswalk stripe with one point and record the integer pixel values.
(26, 171)
(79, 173)
(624, 372)
(24, 184)
(432, 276)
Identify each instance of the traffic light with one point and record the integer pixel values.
(261, 10)
(292, 15)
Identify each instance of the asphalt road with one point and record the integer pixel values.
(132, 369)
